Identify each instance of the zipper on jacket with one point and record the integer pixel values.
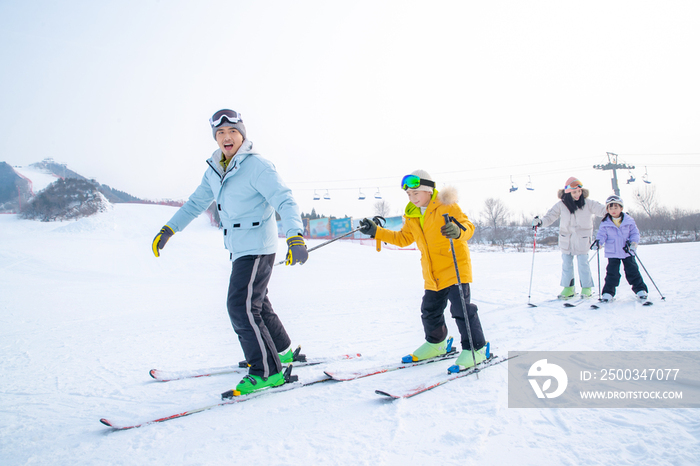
(215, 170)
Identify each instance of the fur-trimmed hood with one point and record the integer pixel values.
(448, 195)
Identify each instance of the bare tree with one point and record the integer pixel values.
(646, 199)
(382, 208)
(496, 216)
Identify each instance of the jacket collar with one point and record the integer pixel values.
(414, 212)
(243, 152)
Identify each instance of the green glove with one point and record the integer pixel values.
(297, 253)
(450, 230)
(161, 238)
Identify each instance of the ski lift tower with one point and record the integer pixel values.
(614, 166)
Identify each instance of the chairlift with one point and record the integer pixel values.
(316, 196)
(513, 186)
(631, 179)
(528, 186)
(361, 196)
(645, 177)
(327, 196)
(377, 195)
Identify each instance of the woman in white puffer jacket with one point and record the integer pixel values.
(576, 214)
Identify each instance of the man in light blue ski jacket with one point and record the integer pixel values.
(247, 190)
(245, 193)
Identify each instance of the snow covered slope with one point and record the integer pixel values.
(40, 178)
(86, 311)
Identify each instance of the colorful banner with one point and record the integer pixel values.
(320, 228)
(340, 226)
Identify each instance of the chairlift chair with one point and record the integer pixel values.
(316, 196)
(327, 196)
(377, 195)
(513, 186)
(361, 196)
(528, 186)
(645, 177)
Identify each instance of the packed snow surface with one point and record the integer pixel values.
(86, 311)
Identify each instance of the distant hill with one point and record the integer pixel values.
(16, 189)
(11, 185)
(66, 199)
(60, 170)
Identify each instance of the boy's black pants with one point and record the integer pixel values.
(433, 316)
(612, 275)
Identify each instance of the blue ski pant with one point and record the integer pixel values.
(433, 316)
(584, 270)
(259, 329)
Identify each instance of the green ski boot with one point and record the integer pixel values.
(428, 350)
(465, 359)
(567, 292)
(253, 383)
(586, 292)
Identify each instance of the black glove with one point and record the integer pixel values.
(595, 246)
(450, 230)
(536, 222)
(161, 238)
(368, 227)
(297, 253)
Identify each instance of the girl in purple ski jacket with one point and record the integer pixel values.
(620, 235)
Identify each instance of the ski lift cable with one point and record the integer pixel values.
(460, 180)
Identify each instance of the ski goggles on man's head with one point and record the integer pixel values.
(574, 185)
(413, 182)
(230, 115)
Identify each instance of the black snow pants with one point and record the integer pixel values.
(612, 275)
(259, 329)
(433, 316)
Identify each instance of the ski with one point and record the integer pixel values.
(600, 303)
(643, 302)
(242, 368)
(552, 301)
(578, 301)
(345, 376)
(424, 387)
(292, 385)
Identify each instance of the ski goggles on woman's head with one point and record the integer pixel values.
(413, 182)
(574, 185)
(230, 115)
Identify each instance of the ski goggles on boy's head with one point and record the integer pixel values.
(413, 182)
(230, 115)
(574, 185)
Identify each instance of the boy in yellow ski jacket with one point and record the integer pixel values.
(425, 225)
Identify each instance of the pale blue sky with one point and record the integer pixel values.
(352, 95)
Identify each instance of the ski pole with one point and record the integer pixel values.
(461, 295)
(378, 220)
(634, 253)
(600, 291)
(532, 268)
(326, 243)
